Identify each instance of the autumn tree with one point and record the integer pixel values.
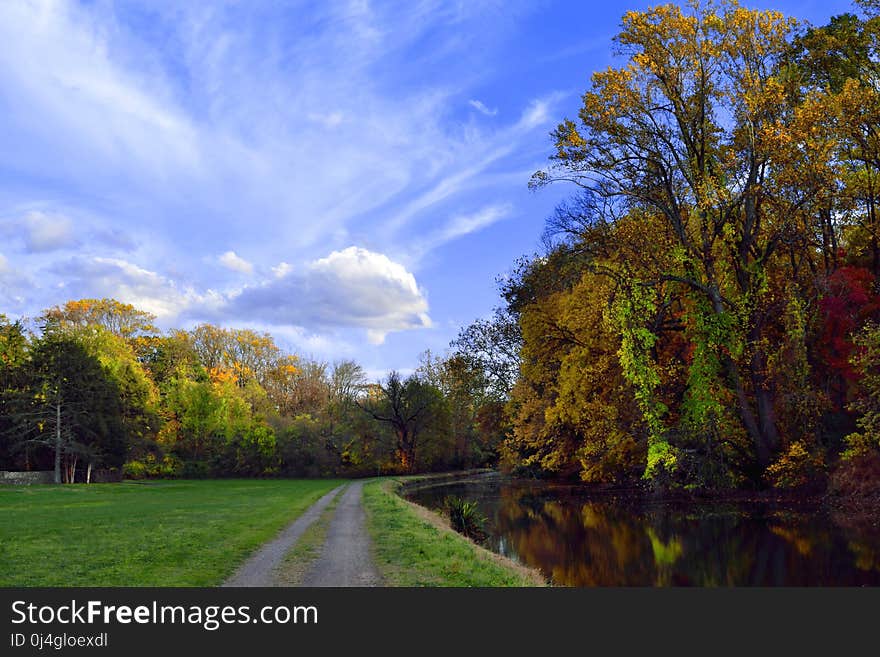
(121, 319)
(470, 398)
(414, 411)
(697, 131)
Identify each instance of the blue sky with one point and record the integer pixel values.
(349, 176)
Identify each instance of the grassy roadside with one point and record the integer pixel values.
(160, 533)
(307, 549)
(415, 547)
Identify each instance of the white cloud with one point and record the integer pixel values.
(5, 268)
(231, 260)
(481, 108)
(481, 156)
(538, 111)
(129, 283)
(351, 288)
(47, 232)
(465, 224)
(461, 225)
(282, 269)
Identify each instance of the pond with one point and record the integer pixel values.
(581, 538)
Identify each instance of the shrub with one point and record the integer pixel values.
(150, 467)
(465, 518)
(795, 468)
(134, 470)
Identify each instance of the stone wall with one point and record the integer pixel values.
(24, 478)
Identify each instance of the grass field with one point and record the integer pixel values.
(413, 548)
(159, 533)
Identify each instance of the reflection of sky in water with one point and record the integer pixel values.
(608, 540)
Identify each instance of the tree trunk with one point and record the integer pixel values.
(769, 436)
(746, 414)
(89, 473)
(761, 428)
(58, 443)
(406, 450)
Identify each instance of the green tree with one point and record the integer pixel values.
(71, 406)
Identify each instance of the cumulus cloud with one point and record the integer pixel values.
(353, 287)
(231, 260)
(129, 283)
(47, 232)
(349, 289)
(481, 108)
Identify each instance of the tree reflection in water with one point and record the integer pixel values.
(581, 540)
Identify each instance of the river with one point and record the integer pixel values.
(582, 538)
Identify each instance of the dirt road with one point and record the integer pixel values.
(345, 559)
(259, 569)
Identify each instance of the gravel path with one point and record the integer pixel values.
(345, 558)
(259, 569)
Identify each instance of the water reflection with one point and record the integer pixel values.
(587, 540)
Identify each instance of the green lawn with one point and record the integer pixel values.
(413, 549)
(162, 533)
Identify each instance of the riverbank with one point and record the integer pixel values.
(414, 546)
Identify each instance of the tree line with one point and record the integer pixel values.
(705, 312)
(96, 386)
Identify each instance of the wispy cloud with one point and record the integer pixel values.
(461, 225)
(481, 155)
(481, 108)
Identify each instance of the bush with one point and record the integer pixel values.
(795, 468)
(134, 470)
(150, 467)
(858, 444)
(465, 518)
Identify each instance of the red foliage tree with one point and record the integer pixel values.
(850, 301)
